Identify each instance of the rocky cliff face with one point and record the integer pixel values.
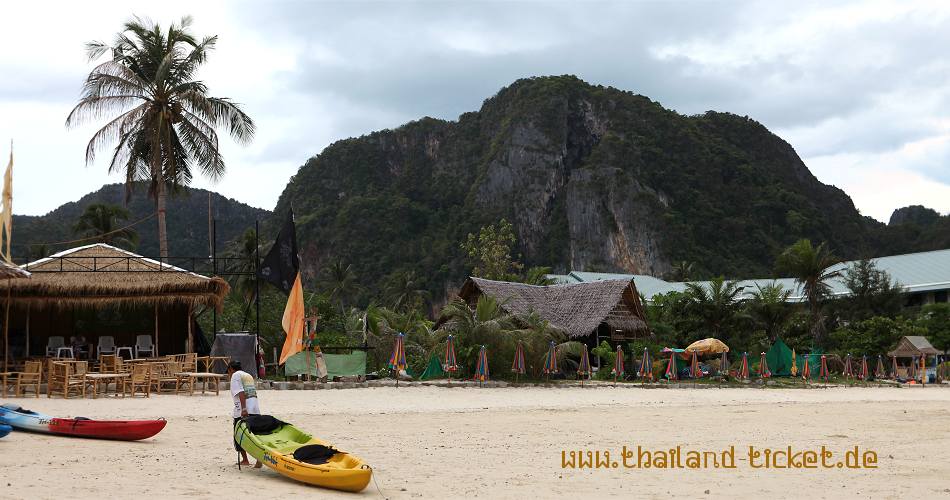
(592, 178)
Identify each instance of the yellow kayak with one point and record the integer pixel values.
(299, 456)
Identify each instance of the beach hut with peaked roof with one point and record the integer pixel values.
(592, 312)
(98, 290)
(914, 347)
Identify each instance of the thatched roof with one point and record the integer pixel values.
(913, 345)
(11, 271)
(577, 308)
(103, 274)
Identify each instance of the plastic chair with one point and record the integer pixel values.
(106, 345)
(53, 344)
(143, 343)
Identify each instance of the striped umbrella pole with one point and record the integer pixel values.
(450, 363)
(618, 363)
(894, 367)
(646, 366)
(744, 367)
(583, 368)
(863, 375)
(694, 371)
(397, 361)
(879, 371)
(723, 367)
(517, 366)
(481, 370)
(923, 370)
(671, 367)
(806, 370)
(823, 370)
(550, 361)
(764, 372)
(848, 372)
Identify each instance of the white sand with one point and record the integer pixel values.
(429, 442)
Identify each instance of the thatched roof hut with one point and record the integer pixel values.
(98, 290)
(914, 346)
(103, 274)
(11, 271)
(608, 309)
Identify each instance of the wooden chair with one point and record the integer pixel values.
(137, 382)
(189, 362)
(163, 373)
(107, 363)
(66, 377)
(31, 376)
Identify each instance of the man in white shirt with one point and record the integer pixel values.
(244, 394)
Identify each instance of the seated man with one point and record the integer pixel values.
(79, 345)
(244, 394)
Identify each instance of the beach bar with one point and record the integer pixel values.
(112, 299)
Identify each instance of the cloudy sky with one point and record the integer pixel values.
(859, 89)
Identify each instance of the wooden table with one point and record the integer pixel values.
(194, 377)
(95, 378)
(209, 361)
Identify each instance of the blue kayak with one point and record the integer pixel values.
(4, 428)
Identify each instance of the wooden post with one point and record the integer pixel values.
(6, 331)
(191, 335)
(156, 330)
(27, 347)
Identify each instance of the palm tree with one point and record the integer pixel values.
(538, 275)
(405, 291)
(682, 271)
(716, 304)
(537, 334)
(102, 223)
(341, 283)
(488, 324)
(166, 120)
(810, 266)
(242, 259)
(769, 308)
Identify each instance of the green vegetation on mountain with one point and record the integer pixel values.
(187, 223)
(590, 178)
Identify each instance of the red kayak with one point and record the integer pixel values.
(122, 430)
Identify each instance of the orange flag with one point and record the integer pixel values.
(293, 322)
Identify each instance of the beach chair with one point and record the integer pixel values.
(31, 376)
(53, 344)
(106, 345)
(163, 373)
(143, 344)
(137, 382)
(107, 363)
(66, 377)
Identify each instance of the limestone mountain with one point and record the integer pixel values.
(592, 177)
(187, 222)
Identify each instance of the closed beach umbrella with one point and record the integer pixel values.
(398, 359)
(848, 369)
(583, 368)
(694, 370)
(481, 369)
(794, 370)
(550, 360)
(671, 367)
(646, 366)
(449, 363)
(863, 374)
(879, 371)
(517, 366)
(764, 367)
(806, 369)
(744, 367)
(619, 368)
(823, 370)
(912, 369)
(894, 367)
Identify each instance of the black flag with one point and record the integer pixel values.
(281, 266)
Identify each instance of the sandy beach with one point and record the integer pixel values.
(432, 442)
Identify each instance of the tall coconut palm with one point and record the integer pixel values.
(406, 291)
(810, 266)
(166, 121)
(341, 283)
(103, 223)
(769, 308)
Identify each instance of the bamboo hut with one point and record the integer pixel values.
(912, 347)
(589, 312)
(100, 290)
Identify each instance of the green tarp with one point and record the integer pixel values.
(779, 359)
(433, 370)
(338, 365)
